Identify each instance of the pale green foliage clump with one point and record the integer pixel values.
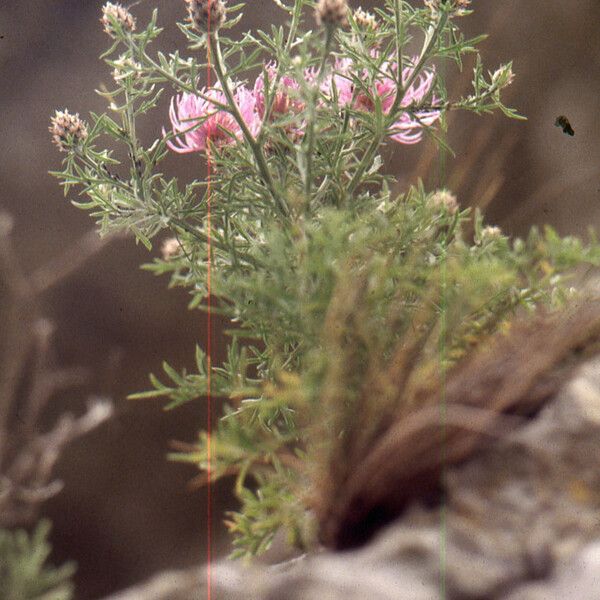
(366, 283)
(324, 271)
(24, 572)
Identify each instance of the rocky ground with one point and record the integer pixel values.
(520, 523)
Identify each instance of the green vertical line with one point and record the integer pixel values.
(443, 409)
(442, 357)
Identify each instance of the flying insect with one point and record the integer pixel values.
(563, 122)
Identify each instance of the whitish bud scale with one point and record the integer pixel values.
(67, 130)
(206, 15)
(115, 12)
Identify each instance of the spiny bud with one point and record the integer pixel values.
(206, 15)
(445, 200)
(115, 12)
(67, 130)
(332, 13)
(170, 248)
(491, 232)
(365, 20)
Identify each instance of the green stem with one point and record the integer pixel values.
(399, 25)
(430, 39)
(368, 156)
(231, 108)
(312, 115)
(129, 126)
(176, 81)
(202, 237)
(288, 46)
(259, 157)
(103, 175)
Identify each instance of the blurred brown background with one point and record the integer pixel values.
(126, 511)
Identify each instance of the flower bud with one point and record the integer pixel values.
(491, 232)
(67, 130)
(332, 13)
(461, 5)
(365, 20)
(206, 15)
(445, 200)
(115, 12)
(170, 248)
(488, 234)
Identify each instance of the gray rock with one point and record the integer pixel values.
(521, 522)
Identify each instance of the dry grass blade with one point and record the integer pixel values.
(513, 373)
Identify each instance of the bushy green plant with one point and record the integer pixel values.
(335, 283)
(24, 572)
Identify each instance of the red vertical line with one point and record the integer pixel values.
(208, 336)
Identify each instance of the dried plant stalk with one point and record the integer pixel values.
(508, 378)
(27, 455)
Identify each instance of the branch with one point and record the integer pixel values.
(27, 457)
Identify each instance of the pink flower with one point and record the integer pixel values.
(408, 129)
(286, 101)
(196, 121)
(340, 81)
(286, 96)
(411, 126)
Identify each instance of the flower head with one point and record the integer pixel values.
(491, 232)
(365, 19)
(197, 120)
(410, 125)
(332, 13)
(408, 129)
(340, 81)
(286, 96)
(170, 248)
(115, 12)
(444, 200)
(206, 15)
(67, 130)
